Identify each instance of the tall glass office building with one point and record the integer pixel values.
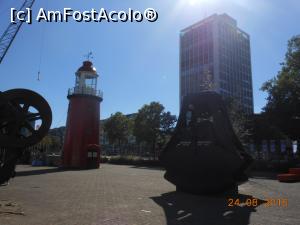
(215, 55)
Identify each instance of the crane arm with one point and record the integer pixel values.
(11, 31)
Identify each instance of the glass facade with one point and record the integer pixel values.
(215, 55)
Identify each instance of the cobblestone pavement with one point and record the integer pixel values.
(128, 195)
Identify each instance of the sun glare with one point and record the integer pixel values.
(193, 2)
(198, 2)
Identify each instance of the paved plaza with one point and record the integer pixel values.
(128, 195)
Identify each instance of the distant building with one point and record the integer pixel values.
(215, 55)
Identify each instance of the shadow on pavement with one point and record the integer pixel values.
(147, 167)
(39, 171)
(183, 208)
(263, 175)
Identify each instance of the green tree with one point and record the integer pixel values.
(167, 126)
(167, 122)
(117, 128)
(50, 143)
(283, 101)
(46, 142)
(152, 125)
(239, 120)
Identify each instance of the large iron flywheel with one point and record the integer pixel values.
(25, 118)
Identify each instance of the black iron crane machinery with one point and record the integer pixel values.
(11, 31)
(25, 116)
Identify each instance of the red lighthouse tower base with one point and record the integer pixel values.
(81, 145)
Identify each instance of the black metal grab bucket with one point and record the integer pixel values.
(204, 155)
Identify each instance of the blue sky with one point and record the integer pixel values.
(137, 62)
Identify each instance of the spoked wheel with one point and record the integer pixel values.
(25, 118)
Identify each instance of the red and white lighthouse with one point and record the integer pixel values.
(81, 145)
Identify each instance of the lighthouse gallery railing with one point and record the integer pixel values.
(85, 91)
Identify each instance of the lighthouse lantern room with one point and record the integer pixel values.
(81, 145)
